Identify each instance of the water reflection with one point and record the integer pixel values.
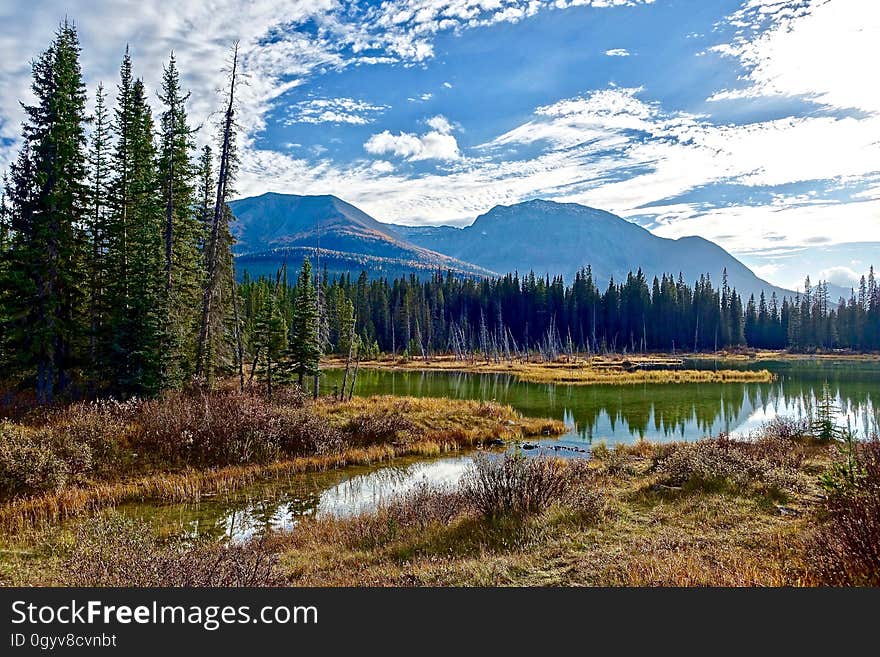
(279, 504)
(611, 413)
(655, 411)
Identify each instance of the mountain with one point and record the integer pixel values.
(560, 238)
(273, 227)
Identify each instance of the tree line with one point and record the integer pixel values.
(512, 316)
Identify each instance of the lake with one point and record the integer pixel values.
(657, 412)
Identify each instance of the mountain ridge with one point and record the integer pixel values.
(539, 235)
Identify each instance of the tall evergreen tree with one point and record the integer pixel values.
(305, 348)
(99, 179)
(181, 231)
(46, 295)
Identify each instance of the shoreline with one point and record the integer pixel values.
(592, 371)
(462, 424)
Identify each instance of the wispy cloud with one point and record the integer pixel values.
(334, 110)
(617, 52)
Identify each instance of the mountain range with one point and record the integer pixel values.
(272, 228)
(541, 236)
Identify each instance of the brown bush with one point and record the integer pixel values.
(417, 510)
(846, 547)
(209, 428)
(719, 461)
(114, 551)
(513, 485)
(391, 426)
(30, 461)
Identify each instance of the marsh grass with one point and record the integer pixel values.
(588, 371)
(114, 551)
(185, 445)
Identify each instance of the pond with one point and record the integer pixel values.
(656, 412)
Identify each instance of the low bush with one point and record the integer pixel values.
(416, 510)
(30, 461)
(513, 485)
(718, 461)
(393, 426)
(114, 551)
(846, 547)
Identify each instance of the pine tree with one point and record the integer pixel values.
(144, 326)
(304, 352)
(182, 231)
(217, 239)
(46, 297)
(99, 178)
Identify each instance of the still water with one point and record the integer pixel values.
(594, 413)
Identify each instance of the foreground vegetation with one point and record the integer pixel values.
(782, 508)
(62, 462)
(593, 370)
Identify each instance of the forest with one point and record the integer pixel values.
(512, 315)
(118, 277)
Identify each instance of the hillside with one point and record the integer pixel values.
(560, 238)
(272, 227)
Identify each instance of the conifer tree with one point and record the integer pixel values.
(99, 178)
(181, 231)
(304, 352)
(46, 275)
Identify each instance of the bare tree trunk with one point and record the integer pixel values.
(239, 347)
(222, 180)
(354, 378)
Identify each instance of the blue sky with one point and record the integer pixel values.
(754, 123)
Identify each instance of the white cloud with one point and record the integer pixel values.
(617, 52)
(840, 275)
(437, 144)
(334, 110)
(822, 50)
(448, 85)
(440, 124)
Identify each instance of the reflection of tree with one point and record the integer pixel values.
(674, 411)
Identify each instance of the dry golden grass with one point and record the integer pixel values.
(653, 535)
(590, 371)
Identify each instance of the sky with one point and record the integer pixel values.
(752, 123)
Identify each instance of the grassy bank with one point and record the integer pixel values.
(780, 509)
(85, 457)
(576, 371)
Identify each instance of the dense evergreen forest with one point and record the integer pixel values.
(117, 274)
(508, 316)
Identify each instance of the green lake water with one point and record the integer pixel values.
(656, 412)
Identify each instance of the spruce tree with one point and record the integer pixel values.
(304, 352)
(181, 231)
(46, 276)
(99, 178)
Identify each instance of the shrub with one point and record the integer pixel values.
(30, 462)
(722, 460)
(114, 551)
(513, 485)
(846, 546)
(210, 428)
(415, 510)
(392, 426)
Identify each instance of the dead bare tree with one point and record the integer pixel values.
(212, 255)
